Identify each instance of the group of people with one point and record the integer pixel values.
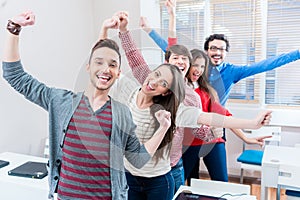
(142, 138)
(214, 84)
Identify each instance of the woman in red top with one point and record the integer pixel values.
(194, 148)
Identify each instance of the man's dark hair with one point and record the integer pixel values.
(106, 43)
(216, 37)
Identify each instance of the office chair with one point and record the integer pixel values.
(251, 159)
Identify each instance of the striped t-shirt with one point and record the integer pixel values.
(145, 129)
(85, 171)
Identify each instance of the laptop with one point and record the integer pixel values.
(3, 163)
(190, 196)
(30, 169)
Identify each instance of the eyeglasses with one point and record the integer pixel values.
(214, 49)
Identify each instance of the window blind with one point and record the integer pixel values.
(282, 84)
(240, 21)
(189, 22)
(256, 29)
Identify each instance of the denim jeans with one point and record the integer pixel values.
(178, 174)
(214, 157)
(159, 187)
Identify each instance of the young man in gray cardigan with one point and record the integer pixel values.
(89, 132)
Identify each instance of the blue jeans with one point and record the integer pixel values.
(214, 157)
(178, 175)
(159, 187)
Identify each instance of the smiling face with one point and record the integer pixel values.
(103, 68)
(216, 51)
(158, 81)
(197, 69)
(181, 61)
(180, 56)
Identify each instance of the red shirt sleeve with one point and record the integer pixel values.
(171, 42)
(136, 61)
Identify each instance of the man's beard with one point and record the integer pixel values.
(213, 64)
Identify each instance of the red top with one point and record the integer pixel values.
(207, 106)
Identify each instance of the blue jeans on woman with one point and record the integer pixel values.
(178, 175)
(159, 187)
(214, 157)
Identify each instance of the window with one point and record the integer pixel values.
(283, 36)
(256, 29)
(189, 22)
(238, 20)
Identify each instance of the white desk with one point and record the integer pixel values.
(19, 188)
(273, 156)
(216, 193)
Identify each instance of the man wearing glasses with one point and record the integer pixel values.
(222, 76)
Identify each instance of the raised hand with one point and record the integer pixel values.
(111, 23)
(144, 24)
(14, 27)
(164, 118)
(171, 6)
(24, 19)
(124, 20)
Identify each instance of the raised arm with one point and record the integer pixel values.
(13, 71)
(11, 47)
(111, 23)
(156, 37)
(171, 7)
(137, 63)
(144, 24)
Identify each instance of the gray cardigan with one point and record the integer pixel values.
(61, 105)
